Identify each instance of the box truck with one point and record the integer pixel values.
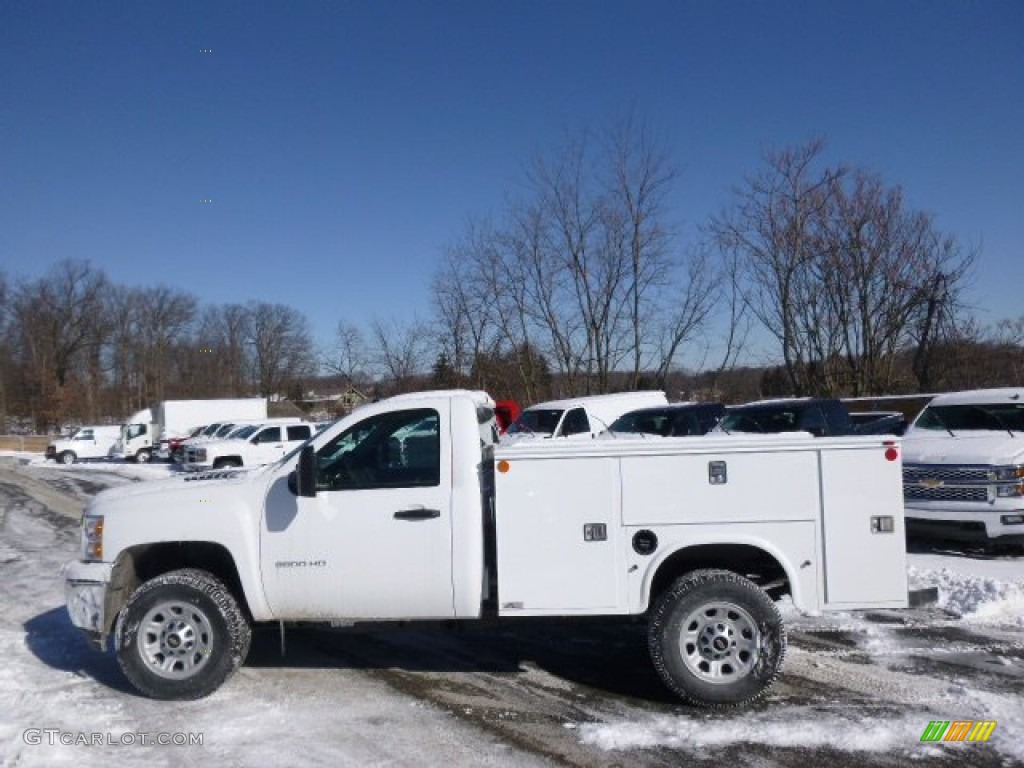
(141, 436)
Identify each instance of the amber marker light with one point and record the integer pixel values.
(503, 466)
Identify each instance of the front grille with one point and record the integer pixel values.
(963, 475)
(945, 493)
(948, 482)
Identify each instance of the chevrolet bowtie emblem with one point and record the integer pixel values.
(931, 482)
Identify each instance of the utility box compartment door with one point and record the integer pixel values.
(557, 532)
(862, 492)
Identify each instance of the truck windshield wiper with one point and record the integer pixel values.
(942, 423)
(1000, 421)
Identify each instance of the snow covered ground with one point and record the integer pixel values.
(856, 688)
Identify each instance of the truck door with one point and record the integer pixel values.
(267, 445)
(375, 542)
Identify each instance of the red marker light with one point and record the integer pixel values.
(891, 454)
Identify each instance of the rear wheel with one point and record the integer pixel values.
(181, 635)
(716, 639)
(67, 457)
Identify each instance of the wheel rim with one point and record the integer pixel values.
(68, 458)
(143, 456)
(175, 639)
(720, 643)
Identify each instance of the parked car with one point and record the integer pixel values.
(171, 448)
(578, 417)
(879, 422)
(820, 416)
(675, 420)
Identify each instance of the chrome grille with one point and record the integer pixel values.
(945, 493)
(915, 473)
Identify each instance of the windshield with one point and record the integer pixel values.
(542, 421)
(243, 432)
(992, 417)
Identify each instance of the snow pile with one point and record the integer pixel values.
(975, 598)
(792, 727)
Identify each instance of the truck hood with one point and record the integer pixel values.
(992, 448)
(221, 482)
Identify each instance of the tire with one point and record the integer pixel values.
(716, 639)
(67, 457)
(181, 635)
(227, 463)
(143, 456)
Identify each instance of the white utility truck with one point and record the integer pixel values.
(963, 470)
(93, 442)
(579, 417)
(405, 509)
(141, 436)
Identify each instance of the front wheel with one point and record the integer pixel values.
(143, 456)
(716, 639)
(181, 635)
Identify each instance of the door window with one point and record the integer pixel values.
(399, 449)
(575, 422)
(298, 432)
(269, 435)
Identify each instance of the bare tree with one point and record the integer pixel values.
(774, 227)
(840, 272)
(349, 357)
(401, 351)
(582, 272)
(163, 324)
(281, 347)
(57, 319)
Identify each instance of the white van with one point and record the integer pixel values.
(94, 442)
(578, 417)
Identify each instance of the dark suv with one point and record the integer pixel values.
(677, 420)
(821, 417)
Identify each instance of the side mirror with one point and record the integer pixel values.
(302, 482)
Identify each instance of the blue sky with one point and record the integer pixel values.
(343, 144)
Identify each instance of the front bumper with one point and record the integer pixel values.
(85, 594)
(966, 524)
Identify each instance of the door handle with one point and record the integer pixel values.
(417, 513)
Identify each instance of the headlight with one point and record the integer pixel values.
(1010, 491)
(200, 454)
(1007, 473)
(92, 537)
